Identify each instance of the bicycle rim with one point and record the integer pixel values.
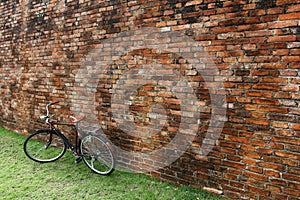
(44, 146)
(97, 155)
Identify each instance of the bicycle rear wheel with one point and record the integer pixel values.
(97, 154)
(44, 146)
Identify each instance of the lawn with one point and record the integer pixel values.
(22, 178)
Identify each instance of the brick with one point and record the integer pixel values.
(291, 192)
(277, 167)
(259, 94)
(285, 38)
(233, 164)
(280, 182)
(294, 185)
(294, 170)
(273, 109)
(278, 196)
(273, 173)
(251, 107)
(282, 95)
(278, 124)
(284, 2)
(282, 24)
(293, 8)
(267, 59)
(272, 46)
(290, 162)
(215, 48)
(288, 73)
(290, 88)
(249, 6)
(290, 58)
(224, 30)
(274, 80)
(258, 122)
(287, 155)
(281, 52)
(273, 188)
(295, 127)
(274, 66)
(258, 115)
(290, 16)
(265, 101)
(293, 45)
(273, 87)
(237, 139)
(258, 190)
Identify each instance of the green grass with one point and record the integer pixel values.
(22, 178)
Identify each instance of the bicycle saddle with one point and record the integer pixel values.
(76, 120)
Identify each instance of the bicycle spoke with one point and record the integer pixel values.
(92, 163)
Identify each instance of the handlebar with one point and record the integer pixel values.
(50, 104)
(47, 116)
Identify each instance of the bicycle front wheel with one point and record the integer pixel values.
(44, 146)
(97, 154)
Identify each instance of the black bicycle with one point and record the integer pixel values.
(48, 145)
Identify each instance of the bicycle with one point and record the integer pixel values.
(49, 145)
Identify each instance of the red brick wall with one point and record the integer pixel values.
(253, 44)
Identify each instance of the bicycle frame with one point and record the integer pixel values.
(73, 148)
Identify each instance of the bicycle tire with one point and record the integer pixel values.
(44, 146)
(97, 154)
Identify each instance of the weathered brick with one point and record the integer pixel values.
(290, 58)
(277, 124)
(274, 80)
(274, 188)
(282, 24)
(292, 192)
(273, 166)
(272, 173)
(267, 59)
(293, 8)
(259, 94)
(295, 127)
(287, 155)
(273, 87)
(265, 101)
(258, 190)
(290, 16)
(290, 88)
(258, 121)
(289, 38)
(273, 109)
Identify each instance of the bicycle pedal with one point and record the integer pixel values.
(78, 159)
